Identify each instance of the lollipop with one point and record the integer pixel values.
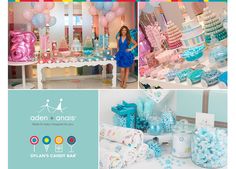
(34, 140)
(71, 140)
(46, 141)
(59, 144)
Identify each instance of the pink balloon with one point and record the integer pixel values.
(104, 21)
(142, 5)
(115, 6)
(39, 6)
(48, 18)
(110, 16)
(28, 14)
(50, 5)
(92, 10)
(120, 11)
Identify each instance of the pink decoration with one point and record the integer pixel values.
(142, 5)
(44, 43)
(50, 5)
(39, 6)
(141, 35)
(120, 11)
(28, 14)
(92, 10)
(144, 47)
(115, 6)
(22, 46)
(110, 16)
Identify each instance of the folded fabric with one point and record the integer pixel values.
(127, 136)
(109, 160)
(128, 155)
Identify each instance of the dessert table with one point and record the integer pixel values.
(103, 63)
(155, 82)
(24, 85)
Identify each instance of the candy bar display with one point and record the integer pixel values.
(169, 132)
(193, 45)
(57, 40)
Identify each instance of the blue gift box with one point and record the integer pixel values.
(124, 114)
(195, 76)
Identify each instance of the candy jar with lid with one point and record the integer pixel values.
(182, 134)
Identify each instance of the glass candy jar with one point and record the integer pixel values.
(168, 120)
(181, 144)
(209, 147)
(218, 56)
(155, 126)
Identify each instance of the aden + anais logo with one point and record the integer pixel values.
(50, 112)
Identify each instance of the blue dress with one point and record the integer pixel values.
(123, 58)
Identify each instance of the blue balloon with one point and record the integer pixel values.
(99, 5)
(148, 8)
(53, 21)
(39, 20)
(108, 6)
(155, 4)
(104, 12)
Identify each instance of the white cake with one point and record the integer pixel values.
(192, 33)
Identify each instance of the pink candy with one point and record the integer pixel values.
(22, 46)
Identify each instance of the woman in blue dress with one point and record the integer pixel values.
(124, 57)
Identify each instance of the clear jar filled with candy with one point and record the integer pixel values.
(209, 147)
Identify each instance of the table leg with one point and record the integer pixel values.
(23, 77)
(114, 75)
(104, 71)
(39, 74)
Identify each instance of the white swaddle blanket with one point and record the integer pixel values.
(127, 136)
(127, 154)
(109, 159)
(144, 153)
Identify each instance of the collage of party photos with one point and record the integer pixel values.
(117, 85)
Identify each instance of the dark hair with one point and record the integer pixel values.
(128, 37)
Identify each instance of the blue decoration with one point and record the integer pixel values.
(209, 147)
(155, 127)
(99, 5)
(100, 40)
(210, 78)
(108, 6)
(224, 78)
(218, 55)
(39, 20)
(171, 75)
(142, 124)
(182, 75)
(195, 76)
(127, 111)
(193, 53)
(168, 120)
(155, 146)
